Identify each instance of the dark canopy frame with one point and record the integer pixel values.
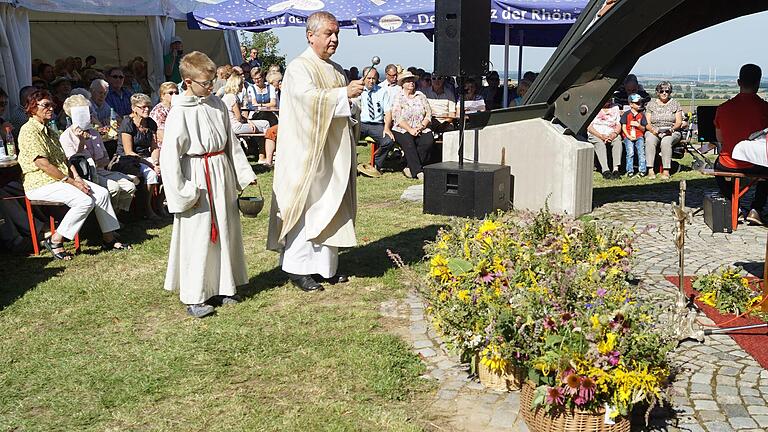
(595, 56)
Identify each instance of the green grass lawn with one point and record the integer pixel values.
(96, 344)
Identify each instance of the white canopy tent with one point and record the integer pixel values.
(113, 31)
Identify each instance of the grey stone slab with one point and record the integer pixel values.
(748, 391)
(705, 405)
(422, 343)
(426, 352)
(733, 410)
(761, 420)
(709, 416)
(726, 391)
(718, 427)
(758, 410)
(739, 423)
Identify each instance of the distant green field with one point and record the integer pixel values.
(686, 103)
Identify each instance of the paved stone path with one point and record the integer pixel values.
(719, 387)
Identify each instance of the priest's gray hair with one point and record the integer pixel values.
(316, 20)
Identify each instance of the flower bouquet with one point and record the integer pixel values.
(548, 294)
(728, 291)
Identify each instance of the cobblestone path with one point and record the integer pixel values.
(719, 387)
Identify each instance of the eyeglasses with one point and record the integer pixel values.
(440, 78)
(206, 84)
(117, 76)
(392, 75)
(142, 107)
(45, 105)
(173, 92)
(665, 91)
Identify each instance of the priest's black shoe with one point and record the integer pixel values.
(333, 280)
(305, 283)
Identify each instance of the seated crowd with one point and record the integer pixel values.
(91, 137)
(639, 125)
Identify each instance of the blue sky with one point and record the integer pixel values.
(724, 47)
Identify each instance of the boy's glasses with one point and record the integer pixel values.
(206, 84)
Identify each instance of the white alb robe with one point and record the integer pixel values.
(197, 267)
(314, 197)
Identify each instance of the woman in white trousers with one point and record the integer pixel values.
(47, 177)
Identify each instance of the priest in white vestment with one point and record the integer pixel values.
(314, 201)
(204, 168)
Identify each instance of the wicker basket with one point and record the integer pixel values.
(577, 421)
(510, 379)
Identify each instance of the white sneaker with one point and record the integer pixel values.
(407, 172)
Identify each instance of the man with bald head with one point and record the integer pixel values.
(314, 199)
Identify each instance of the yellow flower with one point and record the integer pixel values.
(606, 346)
(595, 322)
(491, 357)
(708, 298)
(754, 301)
(464, 296)
(487, 226)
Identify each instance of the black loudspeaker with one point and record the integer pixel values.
(473, 190)
(462, 37)
(717, 213)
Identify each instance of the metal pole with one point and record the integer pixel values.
(730, 329)
(520, 57)
(505, 102)
(462, 120)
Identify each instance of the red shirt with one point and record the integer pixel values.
(627, 118)
(737, 118)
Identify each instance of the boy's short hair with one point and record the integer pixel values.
(195, 64)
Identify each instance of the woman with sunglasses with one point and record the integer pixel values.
(47, 177)
(665, 118)
(137, 139)
(159, 113)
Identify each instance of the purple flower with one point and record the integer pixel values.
(554, 396)
(486, 278)
(549, 324)
(601, 292)
(613, 358)
(587, 390)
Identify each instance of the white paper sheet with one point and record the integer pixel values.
(81, 117)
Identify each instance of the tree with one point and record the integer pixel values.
(266, 43)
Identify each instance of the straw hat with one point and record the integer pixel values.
(404, 76)
(368, 170)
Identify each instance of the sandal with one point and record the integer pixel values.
(51, 246)
(115, 245)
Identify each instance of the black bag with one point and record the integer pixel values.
(126, 165)
(81, 165)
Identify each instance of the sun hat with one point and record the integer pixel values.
(368, 170)
(404, 76)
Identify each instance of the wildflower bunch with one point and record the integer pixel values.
(727, 290)
(551, 294)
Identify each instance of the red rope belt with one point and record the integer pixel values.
(214, 230)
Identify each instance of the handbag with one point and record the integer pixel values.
(126, 165)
